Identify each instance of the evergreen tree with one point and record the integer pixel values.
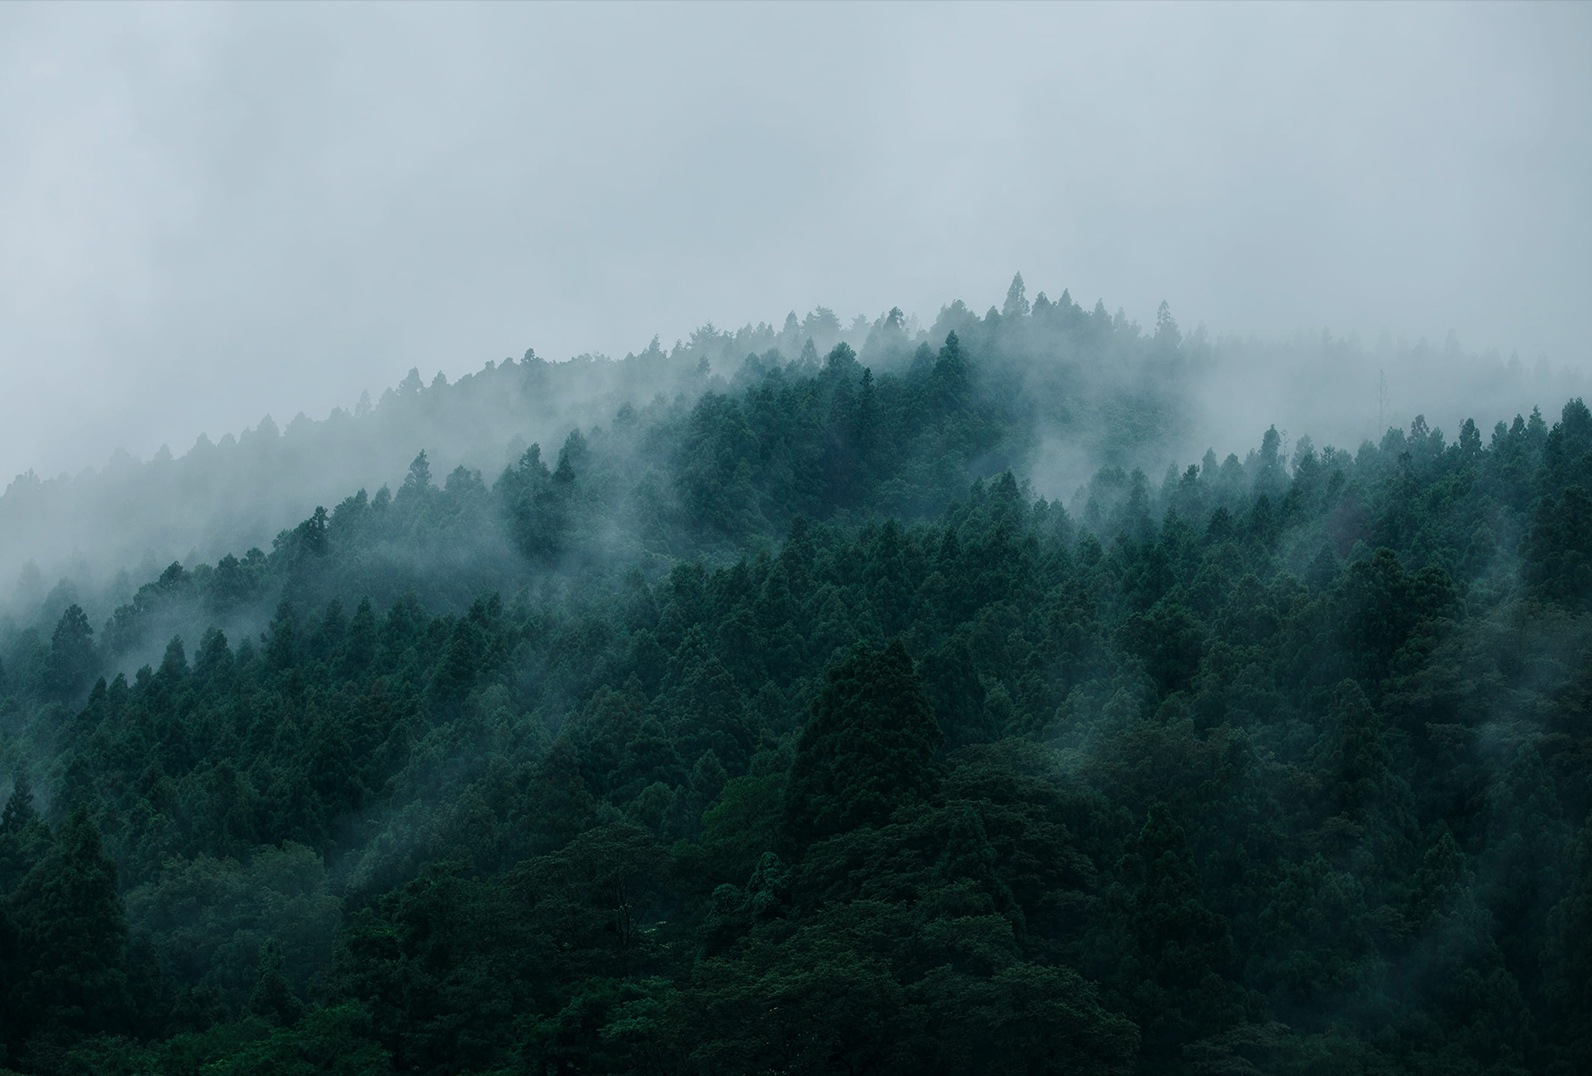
(273, 996)
(1178, 949)
(72, 659)
(869, 747)
(588, 829)
(1016, 305)
(72, 937)
(1567, 955)
(23, 835)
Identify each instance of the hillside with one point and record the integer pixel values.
(765, 717)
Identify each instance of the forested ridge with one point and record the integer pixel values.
(227, 495)
(783, 729)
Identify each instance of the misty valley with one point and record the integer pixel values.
(817, 698)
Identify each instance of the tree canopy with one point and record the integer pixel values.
(786, 729)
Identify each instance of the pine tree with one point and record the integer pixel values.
(868, 749)
(1178, 949)
(1567, 955)
(418, 481)
(23, 835)
(72, 659)
(73, 935)
(20, 813)
(273, 996)
(1016, 305)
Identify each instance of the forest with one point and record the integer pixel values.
(780, 726)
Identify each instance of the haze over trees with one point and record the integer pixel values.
(1087, 389)
(767, 714)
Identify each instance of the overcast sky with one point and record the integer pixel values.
(209, 212)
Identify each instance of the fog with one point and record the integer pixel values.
(465, 457)
(237, 243)
(211, 214)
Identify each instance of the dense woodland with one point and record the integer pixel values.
(227, 495)
(784, 730)
(1083, 389)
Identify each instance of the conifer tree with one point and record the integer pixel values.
(72, 936)
(273, 996)
(868, 748)
(72, 659)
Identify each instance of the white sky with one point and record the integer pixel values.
(210, 212)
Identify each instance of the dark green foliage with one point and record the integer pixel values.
(1176, 948)
(72, 662)
(1273, 766)
(68, 971)
(868, 749)
(23, 834)
(1558, 549)
(273, 996)
(1567, 953)
(951, 679)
